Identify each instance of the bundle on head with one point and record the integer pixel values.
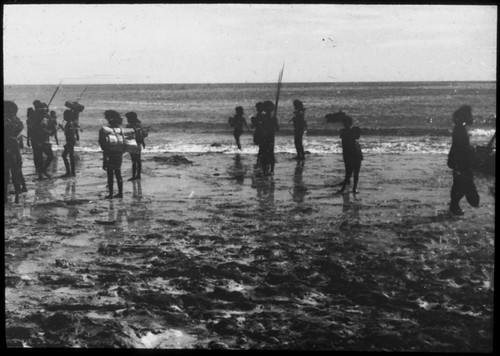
(336, 117)
(462, 115)
(9, 108)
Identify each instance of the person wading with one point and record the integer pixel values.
(461, 160)
(237, 121)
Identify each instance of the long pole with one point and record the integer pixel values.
(278, 91)
(54, 93)
(81, 94)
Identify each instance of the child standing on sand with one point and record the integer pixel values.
(461, 160)
(351, 152)
(237, 121)
(135, 157)
(112, 159)
(300, 126)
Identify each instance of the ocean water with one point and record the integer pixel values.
(395, 117)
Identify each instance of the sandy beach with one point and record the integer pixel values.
(203, 254)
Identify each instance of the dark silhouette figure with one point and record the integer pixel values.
(461, 160)
(34, 116)
(52, 125)
(300, 126)
(12, 151)
(237, 121)
(40, 140)
(70, 130)
(269, 128)
(134, 123)
(112, 159)
(351, 153)
(256, 122)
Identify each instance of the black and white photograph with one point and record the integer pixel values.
(250, 176)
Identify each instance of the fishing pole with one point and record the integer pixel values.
(53, 95)
(278, 91)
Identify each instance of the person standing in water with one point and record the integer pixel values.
(70, 130)
(237, 121)
(256, 123)
(300, 126)
(134, 123)
(351, 153)
(12, 152)
(40, 141)
(112, 158)
(269, 128)
(461, 160)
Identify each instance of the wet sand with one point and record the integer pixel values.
(201, 253)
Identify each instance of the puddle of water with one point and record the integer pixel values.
(78, 240)
(95, 315)
(169, 339)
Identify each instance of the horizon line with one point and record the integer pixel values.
(232, 83)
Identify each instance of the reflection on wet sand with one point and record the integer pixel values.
(350, 213)
(237, 170)
(265, 187)
(138, 215)
(70, 194)
(116, 221)
(299, 189)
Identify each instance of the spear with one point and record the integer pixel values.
(81, 95)
(54, 93)
(278, 91)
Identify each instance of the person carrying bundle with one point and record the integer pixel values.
(135, 124)
(351, 153)
(115, 141)
(76, 108)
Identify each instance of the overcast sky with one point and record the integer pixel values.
(223, 43)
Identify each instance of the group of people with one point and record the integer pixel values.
(112, 157)
(42, 124)
(265, 124)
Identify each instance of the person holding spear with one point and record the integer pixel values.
(269, 128)
(76, 109)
